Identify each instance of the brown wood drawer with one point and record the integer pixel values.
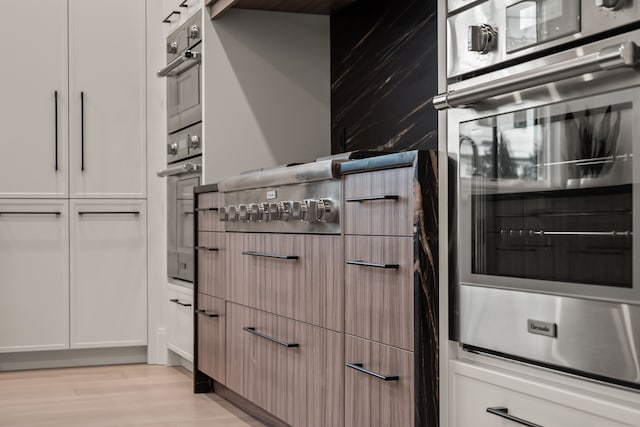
(307, 288)
(211, 337)
(366, 211)
(371, 401)
(211, 263)
(379, 296)
(208, 204)
(301, 385)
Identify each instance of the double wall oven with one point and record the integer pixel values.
(184, 143)
(544, 127)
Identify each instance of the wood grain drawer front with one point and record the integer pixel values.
(208, 204)
(300, 384)
(379, 289)
(379, 203)
(211, 263)
(293, 275)
(211, 337)
(474, 389)
(371, 400)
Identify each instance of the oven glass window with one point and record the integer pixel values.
(550, 192)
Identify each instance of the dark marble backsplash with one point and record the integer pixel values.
(384, 65)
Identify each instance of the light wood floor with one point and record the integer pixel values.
(125, 395)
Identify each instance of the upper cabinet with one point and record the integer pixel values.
(321, 7)
(107, 98)
(73, 111)
(33, 110)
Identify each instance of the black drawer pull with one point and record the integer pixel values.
(359, 367)
(253, 331)
(371, 264)
(184, 4)
(167, 20)
(177, 301)
(504, 413)
(109, 213)
(29, 213)
(207, 248)
(55, 100)
(207, 209)
(254, 253)
(207, 313)
(372, 198)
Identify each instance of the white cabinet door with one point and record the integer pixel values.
(34, 36)
(107, 56)
(108, 273)
(481, 397)
(180, 321)
(34, 263)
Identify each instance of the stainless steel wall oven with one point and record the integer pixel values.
(548, 193)
(184, 143)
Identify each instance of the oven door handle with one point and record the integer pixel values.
(623, 55)
(187, 56)
(179, 170)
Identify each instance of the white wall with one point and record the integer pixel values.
(156, 187)
(267, 91)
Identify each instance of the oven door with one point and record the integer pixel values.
(184, 103)
(182, 178)
(548, 186)
(547, 214)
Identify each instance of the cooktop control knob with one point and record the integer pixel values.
(482, 38)
(609, 4)
(223, 214)
(274, 211)
(326, 210)
(232, 213)
(194, 32)
(312, 211)
(172, 48)
(194, 142)
(296, 209)
(243, 213)
(285, 210)
(255, 212)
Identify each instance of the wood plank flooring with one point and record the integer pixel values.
(124, 395)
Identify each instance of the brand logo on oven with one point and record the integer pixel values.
(542, 328)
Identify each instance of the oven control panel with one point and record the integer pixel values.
(297, 208)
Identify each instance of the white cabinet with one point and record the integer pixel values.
(73, 110)
(180, 321)
(108, 273)
(34, 259)
(176, 13)
(107, 98)
(34, 35)
(474, 388)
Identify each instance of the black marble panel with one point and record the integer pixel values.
(384, 73)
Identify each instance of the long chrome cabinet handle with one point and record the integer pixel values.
(82, 131)
(504, 413)
(359, 367)
(55, 100)
(29, 213)
(370, 264)
(261, 254)
(179, 170)
(372, 198)
(253, 331)
(621, 55)
(207, 313)
(188, 55)
(109, 213)
(177, 301)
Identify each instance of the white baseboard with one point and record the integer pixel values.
(161, 346)
(175, 359)
(70, 358)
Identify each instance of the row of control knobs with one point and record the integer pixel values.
(310, 210)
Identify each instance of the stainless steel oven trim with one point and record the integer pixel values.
(188, 56)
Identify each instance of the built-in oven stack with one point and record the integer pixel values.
(184, 143)
(547, 181)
